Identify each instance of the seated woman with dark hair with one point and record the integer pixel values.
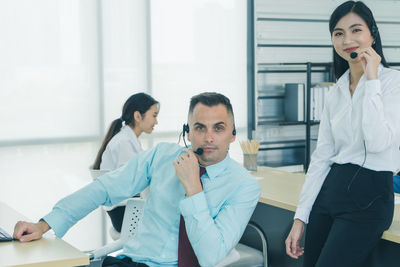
(139, 114)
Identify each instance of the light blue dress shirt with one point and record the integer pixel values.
(215, 218)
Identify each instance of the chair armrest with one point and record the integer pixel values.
(109, 248)
(263, 241)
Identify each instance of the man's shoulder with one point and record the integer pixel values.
(239, 172)
(167, 149)
(242, 182)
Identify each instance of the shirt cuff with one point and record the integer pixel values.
(373, 87)
(56, 224)
(302, 214)
(193, 204)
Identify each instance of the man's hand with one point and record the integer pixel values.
(26, 231)
(292, 242)
(187, 169)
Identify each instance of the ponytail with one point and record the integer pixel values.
(115, 128)
(138, 102)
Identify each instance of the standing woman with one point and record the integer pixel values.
(347, 198)
(139, 114)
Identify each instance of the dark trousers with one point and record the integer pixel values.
(125, 262)
(117, 217)
(352, 210)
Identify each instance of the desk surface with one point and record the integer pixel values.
(48, 251)
(282, 189)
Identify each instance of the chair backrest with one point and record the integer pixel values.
(132, 216)
(97, 173)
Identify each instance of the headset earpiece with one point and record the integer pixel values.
(234, 131)
(374, 31)
(185, 129)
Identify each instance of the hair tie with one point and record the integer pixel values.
(121, 119)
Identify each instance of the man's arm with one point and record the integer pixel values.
(213, 238)
(109, 189)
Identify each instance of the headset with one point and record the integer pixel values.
(199, 151)
(374, 34)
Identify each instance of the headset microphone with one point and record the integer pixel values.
(353, 55)
(199, 151)
(185, 129)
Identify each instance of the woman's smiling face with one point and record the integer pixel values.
(351, 34)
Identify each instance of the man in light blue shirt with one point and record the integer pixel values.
(216, 207)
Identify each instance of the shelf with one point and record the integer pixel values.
(268, 111)
(296, 45)
(281, 123)
(293, 67)
(270, 96)
(282, 142)
(280, 164)
(314, 123)
(291, 150)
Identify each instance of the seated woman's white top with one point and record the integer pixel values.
(121, 148)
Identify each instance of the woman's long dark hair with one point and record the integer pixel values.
(340, 65)
(138, 102)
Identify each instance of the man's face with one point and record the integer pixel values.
(211, 129)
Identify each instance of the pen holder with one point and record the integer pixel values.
(250, 162)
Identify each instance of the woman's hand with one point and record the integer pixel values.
(292, 242)
(370, 61)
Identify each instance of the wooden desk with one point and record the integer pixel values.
(48, 251)
(282, 189)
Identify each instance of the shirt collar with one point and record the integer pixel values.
(344, 80)
(131, 135)
(216, 169)
(212, 171)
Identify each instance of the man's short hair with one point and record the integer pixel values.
(211, 99)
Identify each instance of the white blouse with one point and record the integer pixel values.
(372, 116)
(121, 148)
